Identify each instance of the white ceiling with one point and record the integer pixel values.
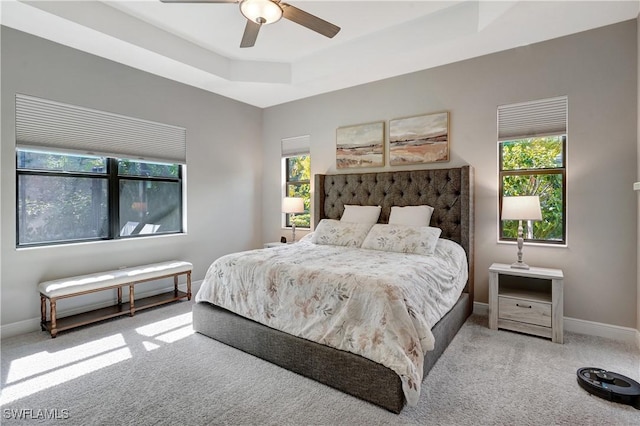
(198, 44)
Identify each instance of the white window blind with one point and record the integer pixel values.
(45, 124)
(299, 145)
(544, 117)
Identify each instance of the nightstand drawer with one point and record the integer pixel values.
(524, 311)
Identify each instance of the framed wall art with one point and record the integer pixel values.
(361, 145)
(419, 139)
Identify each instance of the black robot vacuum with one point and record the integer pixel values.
(610, 386)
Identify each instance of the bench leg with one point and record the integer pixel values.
(54, 330)
(119, 296)
(189, 285)
(43, 312)
(132, 308)
(175, 285)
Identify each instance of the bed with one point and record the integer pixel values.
(450, 192)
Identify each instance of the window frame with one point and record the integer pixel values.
(562, 171)
(287, 183)
(113, 179)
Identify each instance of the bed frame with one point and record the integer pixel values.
(450, 192)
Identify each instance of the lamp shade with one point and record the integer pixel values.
(292, 205)
(521, 208)
(261, 11)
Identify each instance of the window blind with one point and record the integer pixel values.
(544, 117)
(46, 124)
(299, 145)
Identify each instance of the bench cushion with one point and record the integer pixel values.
(106, 279)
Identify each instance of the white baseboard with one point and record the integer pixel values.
(615, 332)
(591, 328)
(481, 308)
(20, 327)
(33, 324)
(573, 325)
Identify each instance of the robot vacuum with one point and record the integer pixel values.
(610, 386)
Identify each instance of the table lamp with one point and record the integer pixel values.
(521, 208)
(293, 205)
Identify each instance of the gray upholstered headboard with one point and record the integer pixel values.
(448, 191)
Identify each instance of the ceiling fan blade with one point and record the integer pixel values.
(199, 1)
(250, 34)
(308, 20)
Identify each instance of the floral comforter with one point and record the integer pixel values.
(380, 305)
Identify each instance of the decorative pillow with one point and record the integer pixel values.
(411, 215)
(306, 237)
(361, 214)
(336, 233)
(403, 239)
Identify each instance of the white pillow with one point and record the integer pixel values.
(403, 239)
(361, 214)
(411, 215)
(336, 233)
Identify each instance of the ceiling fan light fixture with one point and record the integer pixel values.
(261, 11)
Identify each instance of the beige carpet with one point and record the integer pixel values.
(152, 369)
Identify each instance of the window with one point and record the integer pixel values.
(535, 166)
(65, 198)
(75, 181)
(298, 184)
(296, 177)
(532, 161)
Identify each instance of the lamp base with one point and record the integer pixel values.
(519, 265)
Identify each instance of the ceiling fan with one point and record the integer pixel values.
(264, 12)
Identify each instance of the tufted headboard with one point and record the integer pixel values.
(448, 191)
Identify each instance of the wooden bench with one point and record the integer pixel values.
(110, 280)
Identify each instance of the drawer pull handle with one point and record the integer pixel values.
(523, 306)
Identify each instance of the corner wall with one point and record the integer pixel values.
(597, 70)
(223, 180)
(638, 192)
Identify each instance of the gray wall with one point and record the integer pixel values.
(638, 198)
(597, 70)
(224, 170)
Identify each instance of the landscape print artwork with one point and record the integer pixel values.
(360, 146)
(421, 139)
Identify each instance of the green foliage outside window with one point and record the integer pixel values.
(54, 208)
(298, 170)
(65, 198)
(536, 166)
(35, 160)
(138, 168)
(65, 207)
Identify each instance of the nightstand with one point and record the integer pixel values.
(526, 300)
